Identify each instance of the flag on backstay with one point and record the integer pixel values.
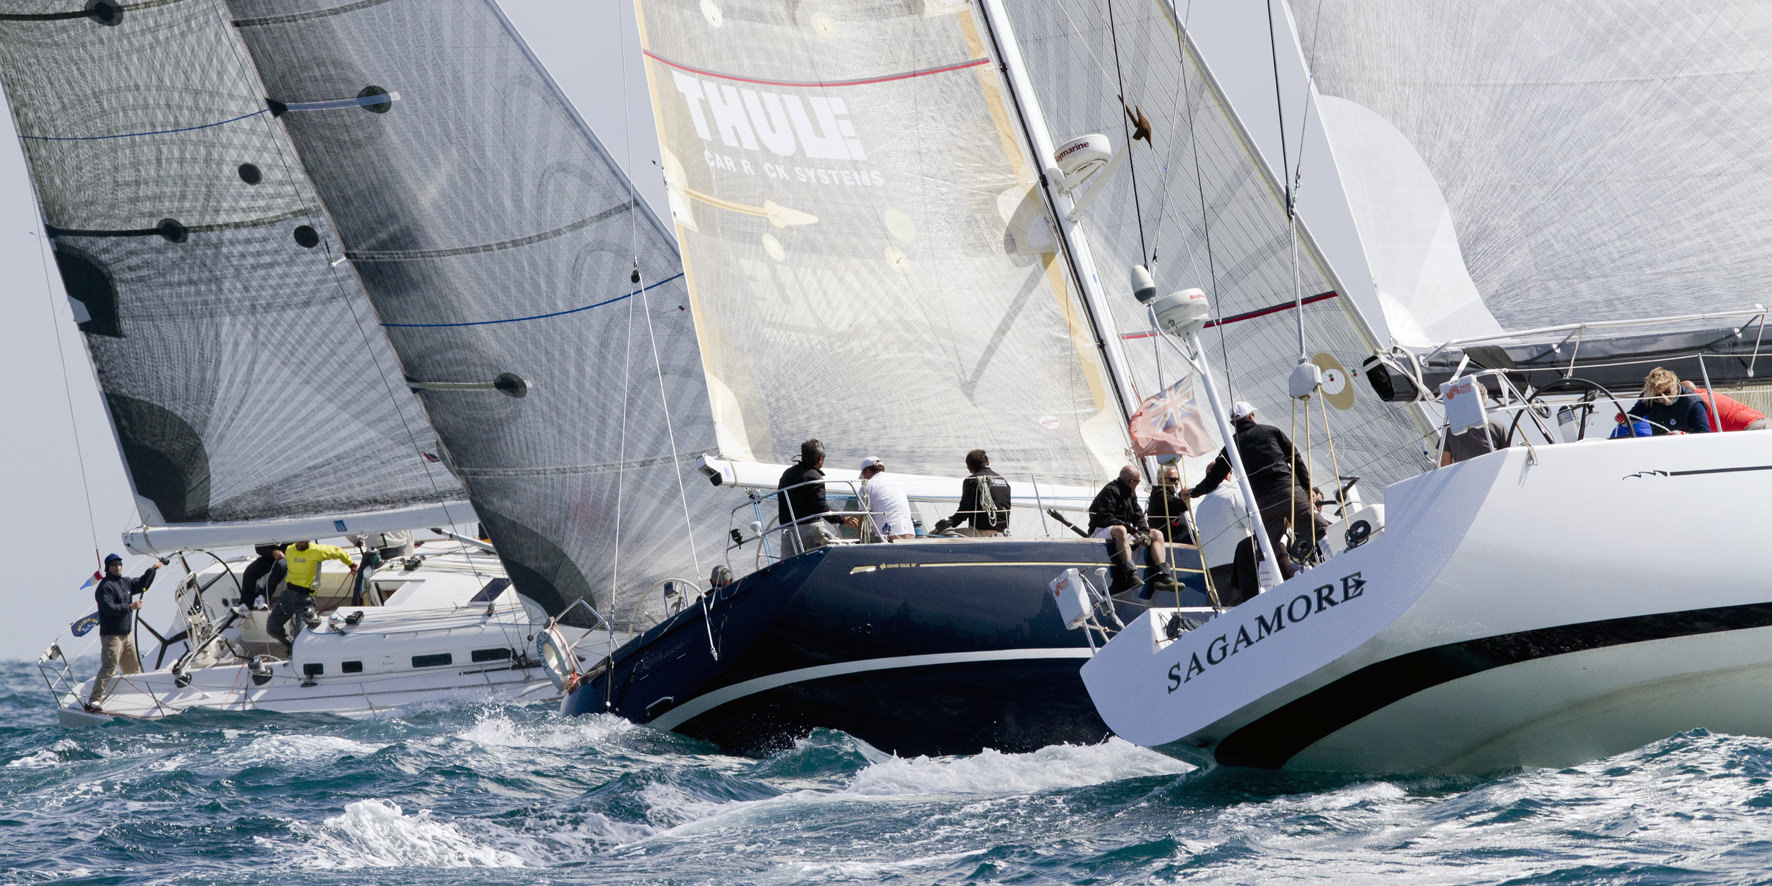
(84, 626)
(1172, 423)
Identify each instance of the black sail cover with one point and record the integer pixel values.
(244, 370)
(497, 240)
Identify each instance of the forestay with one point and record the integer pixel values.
(1214, 217)
(868, 259)
(241, 364)
(1601, 160)
(497, 239)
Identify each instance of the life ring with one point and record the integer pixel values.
(556, 657)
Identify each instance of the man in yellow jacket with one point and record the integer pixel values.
(304, 559)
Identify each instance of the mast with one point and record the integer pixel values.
(1076, 244)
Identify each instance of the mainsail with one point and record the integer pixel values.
(243, 369)
(499, 243)
(1601, 160)
(1204, 210)
(867, 254)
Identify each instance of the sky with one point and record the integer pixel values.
(64, 500)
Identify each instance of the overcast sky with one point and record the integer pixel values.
(50, 523)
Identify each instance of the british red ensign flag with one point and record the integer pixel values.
(1173, 422)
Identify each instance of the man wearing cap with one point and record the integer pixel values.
(885, 502)
(1277, 476)
(304, 559)
(117, 605)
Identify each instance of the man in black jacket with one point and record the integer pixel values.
(1168, 509)
(115, 596)
(800, 502)
(984, 500)
(1114, 515)
(1277, 476)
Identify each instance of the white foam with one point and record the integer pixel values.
(991, 772)
(497, 730)
(378, 833)
(44, 759)
(294, 750)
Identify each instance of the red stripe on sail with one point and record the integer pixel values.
(885, 78)
(1260, 312)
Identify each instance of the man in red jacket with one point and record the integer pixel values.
(1731, 414)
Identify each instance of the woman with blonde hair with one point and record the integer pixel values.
(1669, 409)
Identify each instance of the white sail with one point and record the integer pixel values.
(867, 256)
(244, 371)
(1601, 160)
(1213, 215)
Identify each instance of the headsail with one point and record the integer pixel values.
(868, 258)
(244, 371)
(1214, 216)
(497, 239)
(1601, 160)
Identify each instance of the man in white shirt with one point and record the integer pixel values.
(885, 502)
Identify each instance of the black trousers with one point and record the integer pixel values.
(292, 603)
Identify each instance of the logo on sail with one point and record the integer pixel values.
(818, 128)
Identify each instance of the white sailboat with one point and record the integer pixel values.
(1493, 622)
(244, 352)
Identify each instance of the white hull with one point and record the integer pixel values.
(447, 632)
(1527, 608)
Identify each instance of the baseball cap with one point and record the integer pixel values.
(112, 558)
(872, 461)
(1241, 410)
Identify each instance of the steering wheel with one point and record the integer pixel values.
(1590, 392)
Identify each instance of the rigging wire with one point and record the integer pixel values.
(61, 358)
(1230, 381)
(1126, 130)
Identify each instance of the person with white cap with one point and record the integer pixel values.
(885, 502)
(117, 604)
(1280, 479)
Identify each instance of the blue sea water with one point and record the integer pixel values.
(521, 795)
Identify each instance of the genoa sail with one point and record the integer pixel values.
(245, 373)
(867, 255)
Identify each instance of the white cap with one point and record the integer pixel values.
(1241, 410)
(872, 461)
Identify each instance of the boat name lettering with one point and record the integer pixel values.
(1267, 623)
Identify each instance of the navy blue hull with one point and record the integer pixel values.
(935, 647)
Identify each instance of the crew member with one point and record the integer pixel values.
(117, 601)
(886, 503)
(304, 559)
(984, 500)
(1114, 515)
(1277, 476)
(1728, 413)
(800, 501)
(270, 567)
(1168, 507)
(1668, 408)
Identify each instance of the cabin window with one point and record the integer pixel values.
(492, 655)
(491, 591)
(432, 661)
(351, 667)
(313, 669)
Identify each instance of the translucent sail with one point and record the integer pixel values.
(1601, 160)
(243, 368)
(868, 260)
(1213, 217)
(497, 241)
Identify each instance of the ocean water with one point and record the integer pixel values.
(521, 795)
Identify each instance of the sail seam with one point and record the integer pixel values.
(536, 316)
(95, 138)
(420, 254)
(306, 16)
(494, 473)
(862, 81)
(55, 231)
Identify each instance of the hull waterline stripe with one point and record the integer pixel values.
(1276, 737)
(701, 704)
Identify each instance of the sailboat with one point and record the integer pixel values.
(1490, 621)
(277, 255)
